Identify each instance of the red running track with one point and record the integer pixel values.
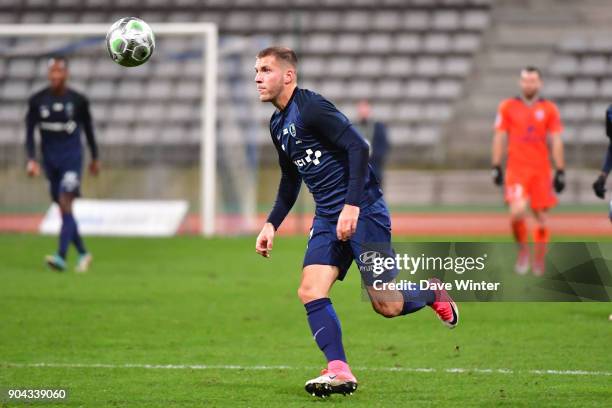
(418, 224)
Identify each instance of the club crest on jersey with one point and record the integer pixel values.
(58, 107)
(540, 115)
(290, 130)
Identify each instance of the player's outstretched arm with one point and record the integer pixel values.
(94, 166)
(358, 152)
(322, 116)
(288, 191)
(32, 167)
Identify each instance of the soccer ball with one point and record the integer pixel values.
(130, 42)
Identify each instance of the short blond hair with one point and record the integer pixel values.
(285, 54)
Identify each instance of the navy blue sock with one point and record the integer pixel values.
(416, 300)
(66, 234)
(325, 328)
(76, 238)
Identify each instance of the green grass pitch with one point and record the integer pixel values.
(217, 320)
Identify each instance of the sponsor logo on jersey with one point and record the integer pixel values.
(366, 262)
(369, 257)
(67, 127)
(311, 157)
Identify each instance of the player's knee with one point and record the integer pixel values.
(540, 219)
(308, 293)
(518, 211)
(65, 203)
(388, 309)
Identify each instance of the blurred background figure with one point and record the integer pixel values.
(60, 114)
(375, 133)
(527, 123)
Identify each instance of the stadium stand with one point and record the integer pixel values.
(580, 82)
(434, 70)
(411, 58)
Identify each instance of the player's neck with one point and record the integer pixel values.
(283, 99)
(59, 91)
(530, 101)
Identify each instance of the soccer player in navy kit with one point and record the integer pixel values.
(317, 144)
(599, 186)
(60, 113)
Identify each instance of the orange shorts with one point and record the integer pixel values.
(533, 185)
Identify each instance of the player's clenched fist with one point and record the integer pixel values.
(33, 168)
(347, 222)
(263, 245)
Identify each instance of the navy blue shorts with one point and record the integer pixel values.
(371, 240)
(65, 178)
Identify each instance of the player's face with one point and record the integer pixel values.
(57, 74)
(269, 77)
(530, 83)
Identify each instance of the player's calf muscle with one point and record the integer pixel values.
(387, 303)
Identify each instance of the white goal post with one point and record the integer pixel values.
(209, 92)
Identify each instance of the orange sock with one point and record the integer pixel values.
(541, 236)
(519, 229)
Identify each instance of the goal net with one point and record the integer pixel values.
(176, 127)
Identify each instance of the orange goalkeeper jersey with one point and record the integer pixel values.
(527, 127)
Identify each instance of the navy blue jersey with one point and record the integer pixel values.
(310, 136)
(60, 119)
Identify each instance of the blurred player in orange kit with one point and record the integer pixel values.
(527, 121)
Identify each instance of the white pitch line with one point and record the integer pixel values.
(285, 367)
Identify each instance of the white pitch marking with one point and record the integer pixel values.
(455, 370)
